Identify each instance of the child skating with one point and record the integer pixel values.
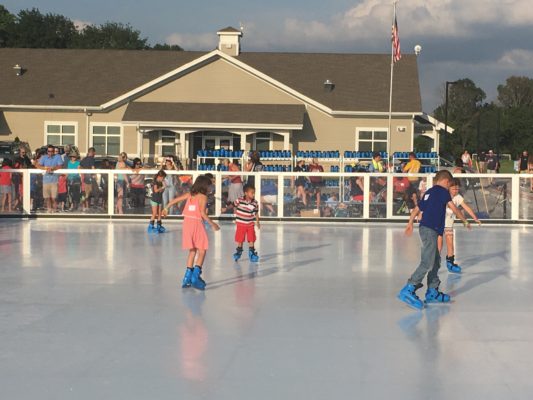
(459, 201)
(194, 235)
(246, 216)
(433, 208)
(156, 202)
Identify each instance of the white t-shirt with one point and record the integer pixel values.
(450, 216)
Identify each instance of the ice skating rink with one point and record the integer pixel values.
(93, 310)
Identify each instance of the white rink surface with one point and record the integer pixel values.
(93, 310)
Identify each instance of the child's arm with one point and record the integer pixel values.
(409, 228)
(202, 200)
(175, 200)
(257, 219)
(470, 212)
(459, 213)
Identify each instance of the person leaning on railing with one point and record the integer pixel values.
(137, 184)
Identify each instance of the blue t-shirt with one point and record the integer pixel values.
(433, 205)
(54, 161)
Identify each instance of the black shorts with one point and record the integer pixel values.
(62, 197)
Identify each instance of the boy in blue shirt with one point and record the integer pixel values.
(433, 209)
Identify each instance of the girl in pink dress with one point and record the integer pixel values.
(194, 236)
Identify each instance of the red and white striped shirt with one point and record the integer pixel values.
(246, 211)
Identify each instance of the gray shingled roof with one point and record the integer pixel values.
(215, 113)
(230, 29)
(94, 77)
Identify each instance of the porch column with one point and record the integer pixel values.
(286, 139)
(243, 136)
(183, 145)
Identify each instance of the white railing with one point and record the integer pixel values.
(385, 196)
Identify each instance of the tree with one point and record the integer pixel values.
(464, 103)
(517, 92)
(6, 24)
(36, 30)
(111, 35)
(170, 47)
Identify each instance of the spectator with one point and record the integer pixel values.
(36, 185)
(124, 157)
(301, 182)
(466, 159)
(459, 167)
(523, 162)
(73, 181)
(169, 183)
(104, 183)
(121, 182)
(62, 192)
(235, 190)
(50, 163)
(21, 162)
(254, 164)
(412, 167)
(493, 164)
(316, 181)
(482, 162)
(377, 164)
(269, 195)
(6, 190)
(89, 180)
(137, 185)
(356, 188)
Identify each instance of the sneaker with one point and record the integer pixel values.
(452, 266)
(187, 278)
(252, 254)
(409, 297)
(434, 296)
(196, 280)
(237, 255)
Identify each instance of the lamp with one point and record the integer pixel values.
(329, 85)
(418, 49)
(18, 69)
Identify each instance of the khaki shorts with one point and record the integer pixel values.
(50, 190)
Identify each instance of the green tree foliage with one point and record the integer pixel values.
(111, 35)
(36, 30)
(168, 47)
(517, 92)
(6, 21)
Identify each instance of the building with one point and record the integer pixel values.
(154, 103)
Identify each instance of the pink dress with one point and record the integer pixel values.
(194, 235)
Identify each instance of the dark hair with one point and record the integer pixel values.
(201, 185)
(160, 173)
(443, 175)
(136, 160)
(91, 149)
(254, 156)
(376, 154)
(459, 162)
(248, 187)
(412, 154)
(50, 147)
(456, 182)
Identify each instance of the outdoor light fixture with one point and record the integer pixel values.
(18, 69)
(418, 49)
(328, 85)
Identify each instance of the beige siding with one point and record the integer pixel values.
(219, 82)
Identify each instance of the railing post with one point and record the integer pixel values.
(390, 195)
(218, 191)
(281, 193)
(366, 201)
(26, 191)
(515, 197)
(110, 193)
(257, 179)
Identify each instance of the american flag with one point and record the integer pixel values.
(396, 52)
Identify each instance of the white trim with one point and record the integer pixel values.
(203, 125)
(372, 129)
(433, 121)
(373, 113)
(61, 123)
(59, 108)
(106, 124)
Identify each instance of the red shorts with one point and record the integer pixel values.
(245, 232)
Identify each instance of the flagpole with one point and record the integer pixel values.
(391, 80)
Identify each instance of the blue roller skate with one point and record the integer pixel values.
(187, 278)
(151, 228)
(160, 228)
(433, 295)
(237, 255)
(252, 254)
(409, 297)
(196, 280)
(452, 266)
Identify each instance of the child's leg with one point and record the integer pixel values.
(427, 255)
(190, 258)
(450, 250)
(433, 275)
(200, 257)
(196, 279)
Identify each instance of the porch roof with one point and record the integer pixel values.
(288, 115)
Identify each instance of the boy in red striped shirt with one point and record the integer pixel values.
(246, 217)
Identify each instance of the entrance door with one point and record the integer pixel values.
(217, 143)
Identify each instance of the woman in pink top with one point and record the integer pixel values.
(194, 236)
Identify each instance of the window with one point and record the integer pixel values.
(263, 141)
(371, 140)
(106, 139)
(60, 134)
(168, 145)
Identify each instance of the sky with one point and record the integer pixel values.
(484, 40)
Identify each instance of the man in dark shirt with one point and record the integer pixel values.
(493, 164)
(523, 163)
(89, 180)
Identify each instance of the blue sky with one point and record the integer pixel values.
(484, 40)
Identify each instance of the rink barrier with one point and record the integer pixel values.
(499, 198)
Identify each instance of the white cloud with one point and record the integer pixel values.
(191, 41)
(81, 25)
(518, 59)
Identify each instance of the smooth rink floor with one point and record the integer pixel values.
(94, 310)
